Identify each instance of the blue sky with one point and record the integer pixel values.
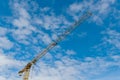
(91, 52)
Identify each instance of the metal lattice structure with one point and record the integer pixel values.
(26, 70)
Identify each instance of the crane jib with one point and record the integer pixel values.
(26, 69)
(61, 37)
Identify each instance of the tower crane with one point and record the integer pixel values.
(26, 70)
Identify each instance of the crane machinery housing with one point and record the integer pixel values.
(26, 70)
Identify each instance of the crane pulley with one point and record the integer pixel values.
(26, 70)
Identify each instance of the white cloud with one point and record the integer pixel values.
(68, 68)
(112, 37)
(21, 22)
(5, 43)
(45, 9)
(59, 71)
(7, 61)
(3, 31)
(25, 24)
(97, 19)
(70, 52)
(22, 15)
(76, 7)
(46, 39)
(100, 9)
(109, 43)
(2, 78)
(9, 66)
(52, 22)
(104, 6)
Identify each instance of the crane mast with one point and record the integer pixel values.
(26, 70)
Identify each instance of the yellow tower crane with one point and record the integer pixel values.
(26, 70)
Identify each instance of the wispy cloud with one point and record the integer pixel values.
(101, 9)
(8, 66)
(109, 43)
(113, 38)
(68, 68)
(30, 32)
